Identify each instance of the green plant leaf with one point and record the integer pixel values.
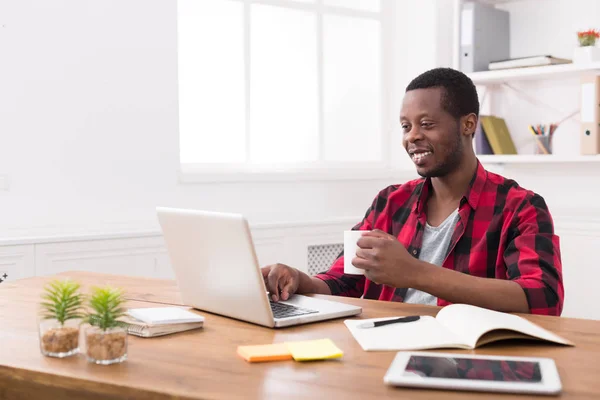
(106, 306)
(61, 300)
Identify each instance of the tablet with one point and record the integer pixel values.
(474, 372)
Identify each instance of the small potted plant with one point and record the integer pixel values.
(106, 335)
(60, 318)
(587, 50)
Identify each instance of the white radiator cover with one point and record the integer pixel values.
(320, 257)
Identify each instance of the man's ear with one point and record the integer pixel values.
(468, 124)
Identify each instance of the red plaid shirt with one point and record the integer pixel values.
(504, 232)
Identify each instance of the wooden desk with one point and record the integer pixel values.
(204, 364)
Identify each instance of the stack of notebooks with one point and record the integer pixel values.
(492, 136)
(159, 321)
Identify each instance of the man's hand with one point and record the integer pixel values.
(385, 260)
(281, 280)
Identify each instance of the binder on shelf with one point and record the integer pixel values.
(482, 144)
(498, 135)
(506, 143)
(590, 114)
(484, 36)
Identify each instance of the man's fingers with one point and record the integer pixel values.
(265, 274)
(369, 242)
(366, 254)
(265, 271)
(362, 263)
(286, 289)
(273, 285)
(370, 275)
(379, 234)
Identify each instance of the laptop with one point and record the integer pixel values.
(216, 268)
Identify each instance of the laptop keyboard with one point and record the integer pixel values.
(281, 310)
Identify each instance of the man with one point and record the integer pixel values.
(460, 234)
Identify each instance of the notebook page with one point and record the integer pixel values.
(164, 315)
(426, 333)
(470, 323)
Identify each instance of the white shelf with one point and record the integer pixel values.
(537, 159)
(497, 2)
(532, 73)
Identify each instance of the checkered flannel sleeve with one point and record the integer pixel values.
(533, 258)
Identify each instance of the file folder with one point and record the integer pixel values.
(484, 36)
(590, 114)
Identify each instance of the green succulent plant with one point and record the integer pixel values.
(106, 307)
(62, 301)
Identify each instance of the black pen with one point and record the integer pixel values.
(375, 324)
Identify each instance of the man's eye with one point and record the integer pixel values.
(426, 124)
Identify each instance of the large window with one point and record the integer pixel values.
(281, 84)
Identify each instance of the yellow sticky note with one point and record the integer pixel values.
(265, 352)
(320, 349)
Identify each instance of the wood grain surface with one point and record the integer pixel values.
(203, 364)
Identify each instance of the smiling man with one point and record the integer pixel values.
(460, 234)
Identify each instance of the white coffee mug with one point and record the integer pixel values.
(350, 247)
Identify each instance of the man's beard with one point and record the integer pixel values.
(448, 165)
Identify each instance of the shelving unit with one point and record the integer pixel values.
(560, 71)
(491, 79)
(494, 2)
(537, 159)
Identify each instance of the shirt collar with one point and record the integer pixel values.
(471, 196)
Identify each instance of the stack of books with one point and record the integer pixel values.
(159, 321)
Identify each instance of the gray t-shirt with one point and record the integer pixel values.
(435, 245)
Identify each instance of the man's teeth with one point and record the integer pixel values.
(418, 156)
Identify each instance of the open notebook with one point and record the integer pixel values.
(159, 321)
(458, 326)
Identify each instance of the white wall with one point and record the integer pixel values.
(88, 121)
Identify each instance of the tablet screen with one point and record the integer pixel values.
(474, 369)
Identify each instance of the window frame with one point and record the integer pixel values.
(312, 170)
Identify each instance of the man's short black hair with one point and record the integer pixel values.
(460, 95)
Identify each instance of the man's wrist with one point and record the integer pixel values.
(312, 285)
(305, 283)
(421, 275)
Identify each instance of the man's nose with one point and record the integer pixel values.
(414, 134)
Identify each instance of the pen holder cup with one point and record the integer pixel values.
(543, 144)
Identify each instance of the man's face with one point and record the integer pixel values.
(431, 136)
